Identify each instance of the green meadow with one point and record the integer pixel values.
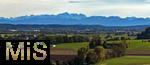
(136, 44)
(129, 60)
(132, 45)
(126, 60)
(75, 46)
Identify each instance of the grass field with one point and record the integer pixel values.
(129, 60)
(132, 45)
(136, 44)
(75, 46)
(126, 60)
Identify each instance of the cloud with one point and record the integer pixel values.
(123, 8)
(76, 1)
(79, 1)
(121, 1)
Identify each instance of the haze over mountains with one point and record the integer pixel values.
(76, 19)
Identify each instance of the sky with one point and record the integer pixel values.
(122, 8)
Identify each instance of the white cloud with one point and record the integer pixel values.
(138, 8)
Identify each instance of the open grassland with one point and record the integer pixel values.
(136, 44)
(129, 60)
(137, 47)
(75, 46)
(132, 45)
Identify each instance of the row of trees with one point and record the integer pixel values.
(67, 39)
(112, 49)
(87, 56)
(98, 51)
(116, 51)
(145, 34)
(54, 38)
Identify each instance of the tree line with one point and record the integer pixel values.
(97, 52)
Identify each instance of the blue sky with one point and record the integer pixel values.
(122, 8)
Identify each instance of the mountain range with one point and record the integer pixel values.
(75, 19)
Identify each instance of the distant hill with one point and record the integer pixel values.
(76, 19)
(4, 28)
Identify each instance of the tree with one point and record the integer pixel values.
(82, 52)
(119, 49)
(100, 52)
(91, 58)
(92, 44)
(95, 41)
(123, 47)
(115, 50)
(145, 34)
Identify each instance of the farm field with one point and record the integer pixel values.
(132, 45)
(138, 45)
(75, 46)
(135, 47)
(129, 60)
